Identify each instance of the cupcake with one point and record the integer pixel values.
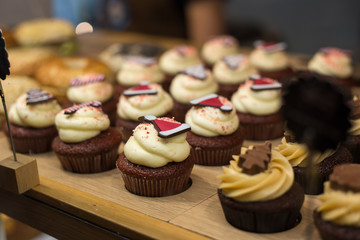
(156, 161)
(334, 65)
(93, 87)
(176, 59)
(271, 61)
(215, 132)
(338, 216)
(136, 69)
(86, 143)
(218, 47)
(352, 142)
(138, 101)
(258, 102)
(230, 72)
(323, 162)
(258, 192)
(32, 121)
(192, 83)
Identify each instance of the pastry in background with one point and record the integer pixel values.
(258, 192)
(231, 71)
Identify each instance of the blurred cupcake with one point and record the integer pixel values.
(338, 216)
(271, 61)
(190, 84)
(156, 161)
(258, 102)
(258, 192)
(145, 99)
(230, 72)
(32, 121)
(177, 59)
(218, 47)
(352, 142)
(86, 143)
(324, 163)
(215, 132)
(137, 69)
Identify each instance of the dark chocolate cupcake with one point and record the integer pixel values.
(258, 192)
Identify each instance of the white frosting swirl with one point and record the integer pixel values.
(262, 102)
(39, 115)
(211, 121)
(268, 61)
(218, 47)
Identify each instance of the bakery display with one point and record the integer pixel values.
(258, 192)
(156, 161)
(215, 131)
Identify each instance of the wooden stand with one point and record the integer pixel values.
(20, 176)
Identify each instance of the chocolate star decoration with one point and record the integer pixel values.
(233, 61)
(264, 84)
(211, 100)
(165, 128)
(145, 61)
(75, 108)
(198, 72)
(4, 61)
(256, 160)
(142, 89)
(35, 96)
(87, 79)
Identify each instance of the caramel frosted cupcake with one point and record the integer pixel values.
(137, 69)
(258, 192)
(86, 143)
(258, 103)
(192, 83)
(145, 99)
(323, 162)
(215, 132)
(176, 59)
(218, 47)
(230, 72)
(156, 160)
(338, 216)
(271, 61)
(93, 87)
(32, 121)
(352, 142)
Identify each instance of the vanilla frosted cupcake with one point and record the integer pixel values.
(230, 72)
(258, 102)
(145, 99)
(32, 121)
(218, 47)
(271, 61)
(86, 143)
(156, 160)
(192, 83)
(258, 192)
(215, 132)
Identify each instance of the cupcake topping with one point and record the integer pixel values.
(335, 51)
(270, 47)
(265, 84)
(75, 108)
(211, 100)
(146, 61)
(166, 129)
(198, 72)
(142, 89)
(256, 160)
(346, 177)
(184, 50)
(233, 61)
(35, 96)
(87, 79)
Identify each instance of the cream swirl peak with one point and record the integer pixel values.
(147, 148)
(218, 47)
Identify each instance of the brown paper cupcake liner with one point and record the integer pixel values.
(157, 187)
(33, 145)
(264, 131)
(214, 157)
(353, 145)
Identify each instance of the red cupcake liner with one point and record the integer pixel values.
(214, 157)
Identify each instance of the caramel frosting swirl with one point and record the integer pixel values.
(264, 186)
(133, 107)
(85, 123)
(260, 103)
(297, 154)
(341, 208)
(185, 88)
(211, 121)
(39, 115)
(355, 127)
(268, 61)
(146, 148)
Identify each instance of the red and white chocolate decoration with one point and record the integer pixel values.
(270, 47)
(145, 61)
(211, 100)
(233, 61)
(87, 79)
(35, 96)
(142, 89)
(165, 128)
(197, 71)
(260, 83)
(335, 51)
(74, 108)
